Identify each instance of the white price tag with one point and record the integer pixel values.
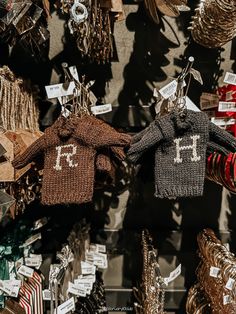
(26, 271)
(66, 307)
(10, 287)
(214, 271)
(59, 90)
(230, 78)
(87, 278)
(191, 105)
(227, 106)
(47, 295)
(87, 268)
(230, 283)
(173, 275)
(101, 109)
(33, 262)
(223, 121)
(93, 248)
(83, 284)
(101, 248)
(169, 89)
(227, 299)
(77, 290)
(32, 239)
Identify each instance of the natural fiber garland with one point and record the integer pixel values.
(216, 276)
(18, 109)
(214, 23)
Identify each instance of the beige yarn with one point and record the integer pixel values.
(18, 108)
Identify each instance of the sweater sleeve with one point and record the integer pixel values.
(30, 153)
(151, 137)
(103, 162)
(222, 137)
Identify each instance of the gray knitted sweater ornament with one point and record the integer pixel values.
(180, 151)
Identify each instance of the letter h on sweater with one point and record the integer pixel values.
(193, 147)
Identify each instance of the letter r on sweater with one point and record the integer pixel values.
(193, 147)
(67, 155)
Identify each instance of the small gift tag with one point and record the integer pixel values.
(223, 122)
(47, 295)
(26, 271)
(87, 268)
(77, 290)
(227, 299)
(230, 283)
(86, 278)
(173, 275)
(60, 90)
(101, 248)
(230, 78)
(101, 109)
(34, 261)
(32, 239)
(227, 106)
(214, 271)
(169, 89)
(66, 307)
(196, 75)
(208, 101)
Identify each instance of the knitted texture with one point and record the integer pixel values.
(70, 148)
(179, 155)
(180, 151)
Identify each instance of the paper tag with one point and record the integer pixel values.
(87, 268)
(11, 287)
(230, 78)
(32, 239)
(223, 121)
(66, 307)
(59, 90)
(214, 271)
(196, 75)
(191, 105)
(74, 72)
(101, 248)
(33, 261)
(169, 89)
(104, 265)
(227, 106)
(101, 109)
(230, 283)
(227, 299)
(173, 275)
(92, 248)
(40, 223)
(83, 284)
(76, 290)
(26, 271)
(208, 101)
(47, 295)
(87, 278)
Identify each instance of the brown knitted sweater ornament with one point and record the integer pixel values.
(70, 148)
